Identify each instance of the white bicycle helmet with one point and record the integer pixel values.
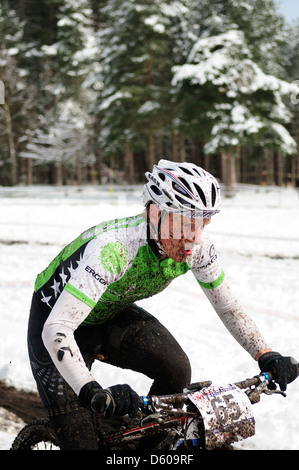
(183, 188)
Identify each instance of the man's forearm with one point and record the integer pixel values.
(237, 321)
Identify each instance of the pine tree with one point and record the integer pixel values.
(60, 43)
(142, 79)
(225, 95)
(64, 144)
(291, 52)
(135, 60)
(16, 114)
(69, 51)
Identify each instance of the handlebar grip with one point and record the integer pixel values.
(268, 375)
(144, 401)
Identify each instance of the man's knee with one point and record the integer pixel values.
(172, 375)
(138, 341)
(162, 359)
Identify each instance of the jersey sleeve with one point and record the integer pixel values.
(205, 264)
(209, 274)
(58, 338)
(104, 262)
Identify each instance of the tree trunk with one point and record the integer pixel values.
(269, 167)
(178, 146)
(159, 147)
(2, 92)
(79, 168)
(151, 150)
(244, 165)
(296, 132)
(182, 149)
(129, 164)
(237, 163)
(11, 146)
(97, 149)
(228, 167)
(29, 171)
(280, 169)
(57, 174)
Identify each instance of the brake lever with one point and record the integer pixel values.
(254, 394)
(270, 392)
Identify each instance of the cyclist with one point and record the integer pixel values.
(84, 305)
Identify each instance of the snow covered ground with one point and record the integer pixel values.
(257, 237)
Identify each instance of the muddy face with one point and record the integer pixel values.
(179, 235)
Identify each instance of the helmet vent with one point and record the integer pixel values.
(184, 202)
(179, 188)
(156, 190)
(213, 195)
(185, 170)
(198, 172)
(201, 194)
(185, 183)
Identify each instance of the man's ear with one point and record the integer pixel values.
(154, 214)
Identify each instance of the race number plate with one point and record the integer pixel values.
(227, 414)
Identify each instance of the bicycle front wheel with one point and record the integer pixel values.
(37, 435)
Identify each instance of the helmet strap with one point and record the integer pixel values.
(155, 230)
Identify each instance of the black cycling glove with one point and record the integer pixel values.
(117, 400)
(284, 369)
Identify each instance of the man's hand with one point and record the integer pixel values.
(284, 369)
(117, 400)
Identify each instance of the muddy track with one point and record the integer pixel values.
(25, 405)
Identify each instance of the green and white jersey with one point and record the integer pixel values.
(113, 265)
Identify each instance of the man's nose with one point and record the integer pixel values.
(194, 237)
(197, 237)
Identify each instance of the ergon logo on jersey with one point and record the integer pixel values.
(95, 275)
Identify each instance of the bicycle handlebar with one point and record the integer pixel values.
(260, 383)
(256, 380)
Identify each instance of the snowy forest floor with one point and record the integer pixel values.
(256, 236)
